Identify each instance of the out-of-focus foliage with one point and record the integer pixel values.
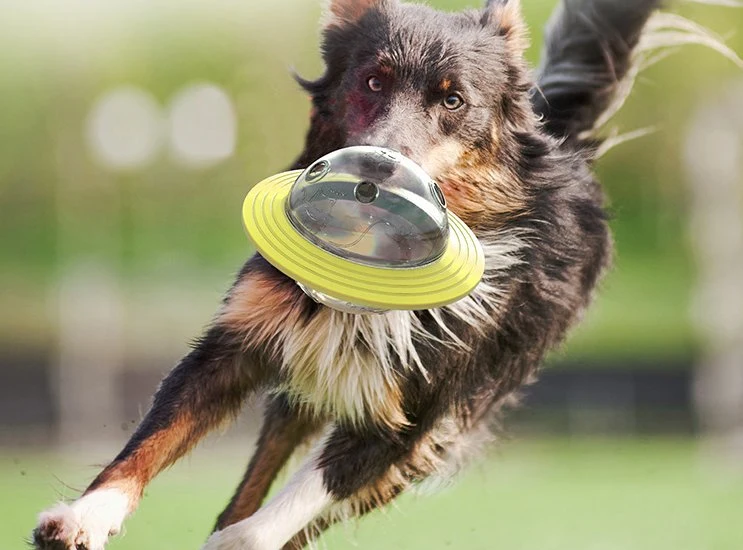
(166, 226)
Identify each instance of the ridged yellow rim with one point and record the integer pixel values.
(451, 277)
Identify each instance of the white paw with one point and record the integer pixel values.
(234, 537)
(85, 524)
(271, 527)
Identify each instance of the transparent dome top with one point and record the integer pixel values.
(370, 205)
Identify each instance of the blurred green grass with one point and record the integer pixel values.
(185, 223)
(535, 495)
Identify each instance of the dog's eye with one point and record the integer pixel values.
(453, 102)
(374, 83)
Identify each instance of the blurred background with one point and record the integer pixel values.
(130, 132)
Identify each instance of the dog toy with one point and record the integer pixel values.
(364, 229)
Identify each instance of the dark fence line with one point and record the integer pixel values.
(602, 398)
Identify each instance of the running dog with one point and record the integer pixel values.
(397, 399)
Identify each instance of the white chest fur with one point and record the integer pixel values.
(343, 365)
(352, 366)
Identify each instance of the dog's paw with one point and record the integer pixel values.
(234, 537)
(85, 524)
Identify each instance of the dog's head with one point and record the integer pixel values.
(445, 89)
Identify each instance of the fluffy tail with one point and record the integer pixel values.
(594, 49)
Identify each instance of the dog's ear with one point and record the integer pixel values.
(506, 17)
(344, 12)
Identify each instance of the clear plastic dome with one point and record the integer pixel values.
(370, 205)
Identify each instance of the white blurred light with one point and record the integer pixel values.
(203, 126)
(125, 128)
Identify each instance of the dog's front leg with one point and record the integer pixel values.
(207, 387)
(350, 472)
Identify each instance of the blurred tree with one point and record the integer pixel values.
(714, 157)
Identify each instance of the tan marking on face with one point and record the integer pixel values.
(385, 70)
(442, 158)
(479, 194)
(445, 85)
(480, 188)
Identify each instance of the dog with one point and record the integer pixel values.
(403, 398)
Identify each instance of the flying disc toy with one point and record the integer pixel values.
(364, 229)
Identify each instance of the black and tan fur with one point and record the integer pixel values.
(400, 398)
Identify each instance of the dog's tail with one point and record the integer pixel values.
(594, 49)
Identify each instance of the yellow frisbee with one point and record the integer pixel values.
(366, 227)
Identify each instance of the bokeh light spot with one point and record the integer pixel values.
(124, 129)
(203, 126)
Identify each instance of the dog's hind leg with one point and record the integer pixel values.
(284, 428)
(349, 473)
(207, 387)
(432, 461)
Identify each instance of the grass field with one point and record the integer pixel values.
(539, 495)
